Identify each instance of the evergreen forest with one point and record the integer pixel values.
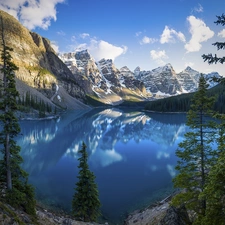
(181, 103)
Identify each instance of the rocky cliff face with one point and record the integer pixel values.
(65, 80)
(160, 81)
(188, 79)
(39, 66)
(103, 79)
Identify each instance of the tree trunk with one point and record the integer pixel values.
(7, 145)
(8, 170)
(202, 162)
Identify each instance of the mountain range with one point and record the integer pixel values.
(103, 77)
(65, 80)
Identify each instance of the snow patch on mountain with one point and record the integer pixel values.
(105, 80)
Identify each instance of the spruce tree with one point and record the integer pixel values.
(195, 153)
(18, 192)
(214, 194)
(85, 204)
(220, 46)
(215, 188)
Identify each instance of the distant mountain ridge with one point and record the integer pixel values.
(103, 77)
(72, 80)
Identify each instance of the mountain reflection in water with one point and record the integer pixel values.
(131, 153)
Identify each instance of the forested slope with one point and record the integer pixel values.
(181, 103)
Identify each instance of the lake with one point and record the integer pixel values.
(131, 153)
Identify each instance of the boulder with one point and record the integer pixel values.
(176, 216)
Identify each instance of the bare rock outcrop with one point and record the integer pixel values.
(176, 216)
(39, 66)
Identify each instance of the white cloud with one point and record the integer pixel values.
(198, 9)
(169, 35)
(32, 13)
(102, 49)
(148, 40)
(158, 56)
(106, 157)
(55, 46)
(199, 33)
(61, 33)
(171, 170)
(81, 47)
(138, 33)
(222, 33)
(11, 6)
(98, 49)
(73, 38)
(84, 35)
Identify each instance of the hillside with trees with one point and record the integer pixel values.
(201, 157)
(181, 103)
(14, 186)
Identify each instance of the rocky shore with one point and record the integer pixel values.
(11, 216)
(151, 215)
(160, 213)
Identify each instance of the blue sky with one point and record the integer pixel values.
(145, 33)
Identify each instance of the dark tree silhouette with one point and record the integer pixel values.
(19, 192)
(85, 204)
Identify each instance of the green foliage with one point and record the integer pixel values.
(181, 103)
(30, 103)
(195, 153)
(214, 194)
(41, 71)
(134, 104)
(11, 172)
(8, 211)
(22, 196)
(214, 190)
(85, 204)
(220, 46)
(215, 187)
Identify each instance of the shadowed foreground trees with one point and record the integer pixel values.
(214, 194)
(85, 204)
(203, 191)
(12, 177)
(215, 188)
(195, 154)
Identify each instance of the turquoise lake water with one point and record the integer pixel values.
(131, 153)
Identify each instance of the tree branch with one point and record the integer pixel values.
(220, 20)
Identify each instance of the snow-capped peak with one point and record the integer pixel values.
(83, 55)
(190, 70)
(167, 67)
(125, 69)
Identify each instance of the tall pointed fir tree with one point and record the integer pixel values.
(18, 192)
(195, 155)
(215, 188)
(214, 194)
(85, 204)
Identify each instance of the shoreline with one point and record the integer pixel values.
(151, 214)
